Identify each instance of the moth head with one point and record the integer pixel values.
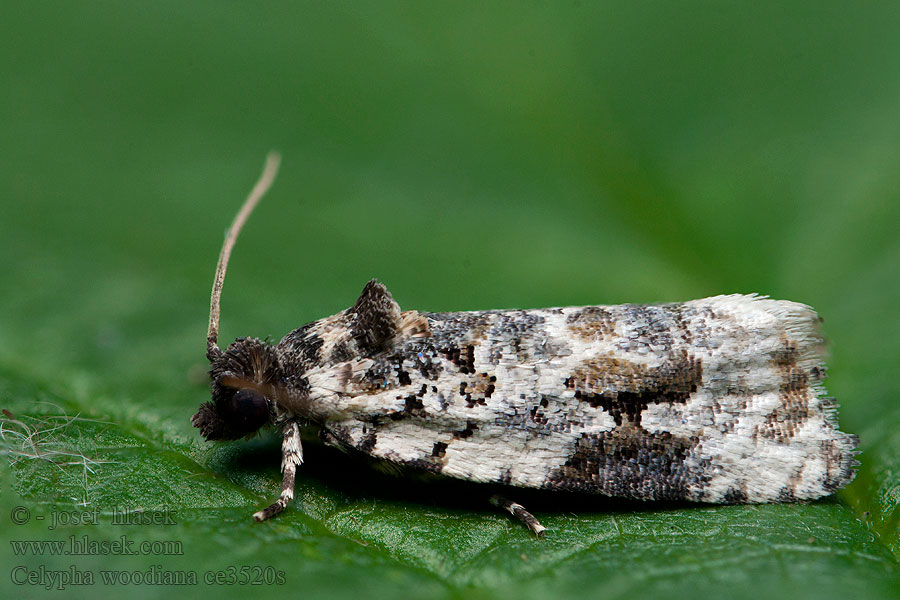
(244, 380)
(245, 375)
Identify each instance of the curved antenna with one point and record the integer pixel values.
(273, 160)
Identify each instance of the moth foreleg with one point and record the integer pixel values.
(519, 512)
(291, 457)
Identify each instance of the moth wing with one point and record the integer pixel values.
(715, 400)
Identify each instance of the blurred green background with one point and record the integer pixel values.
(471, 157)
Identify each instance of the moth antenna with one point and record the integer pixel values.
(270, 170)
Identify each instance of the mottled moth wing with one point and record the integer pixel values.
(714, 400)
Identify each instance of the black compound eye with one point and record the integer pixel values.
(249, 409)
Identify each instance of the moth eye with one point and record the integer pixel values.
(249, 409)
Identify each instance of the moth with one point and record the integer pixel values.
(717, 400)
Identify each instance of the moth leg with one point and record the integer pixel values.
(291, 457)
(519, 512)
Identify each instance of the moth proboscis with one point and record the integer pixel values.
(718, 400)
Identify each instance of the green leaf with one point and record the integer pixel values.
(470, 157)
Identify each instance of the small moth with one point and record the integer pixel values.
(716, 400)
